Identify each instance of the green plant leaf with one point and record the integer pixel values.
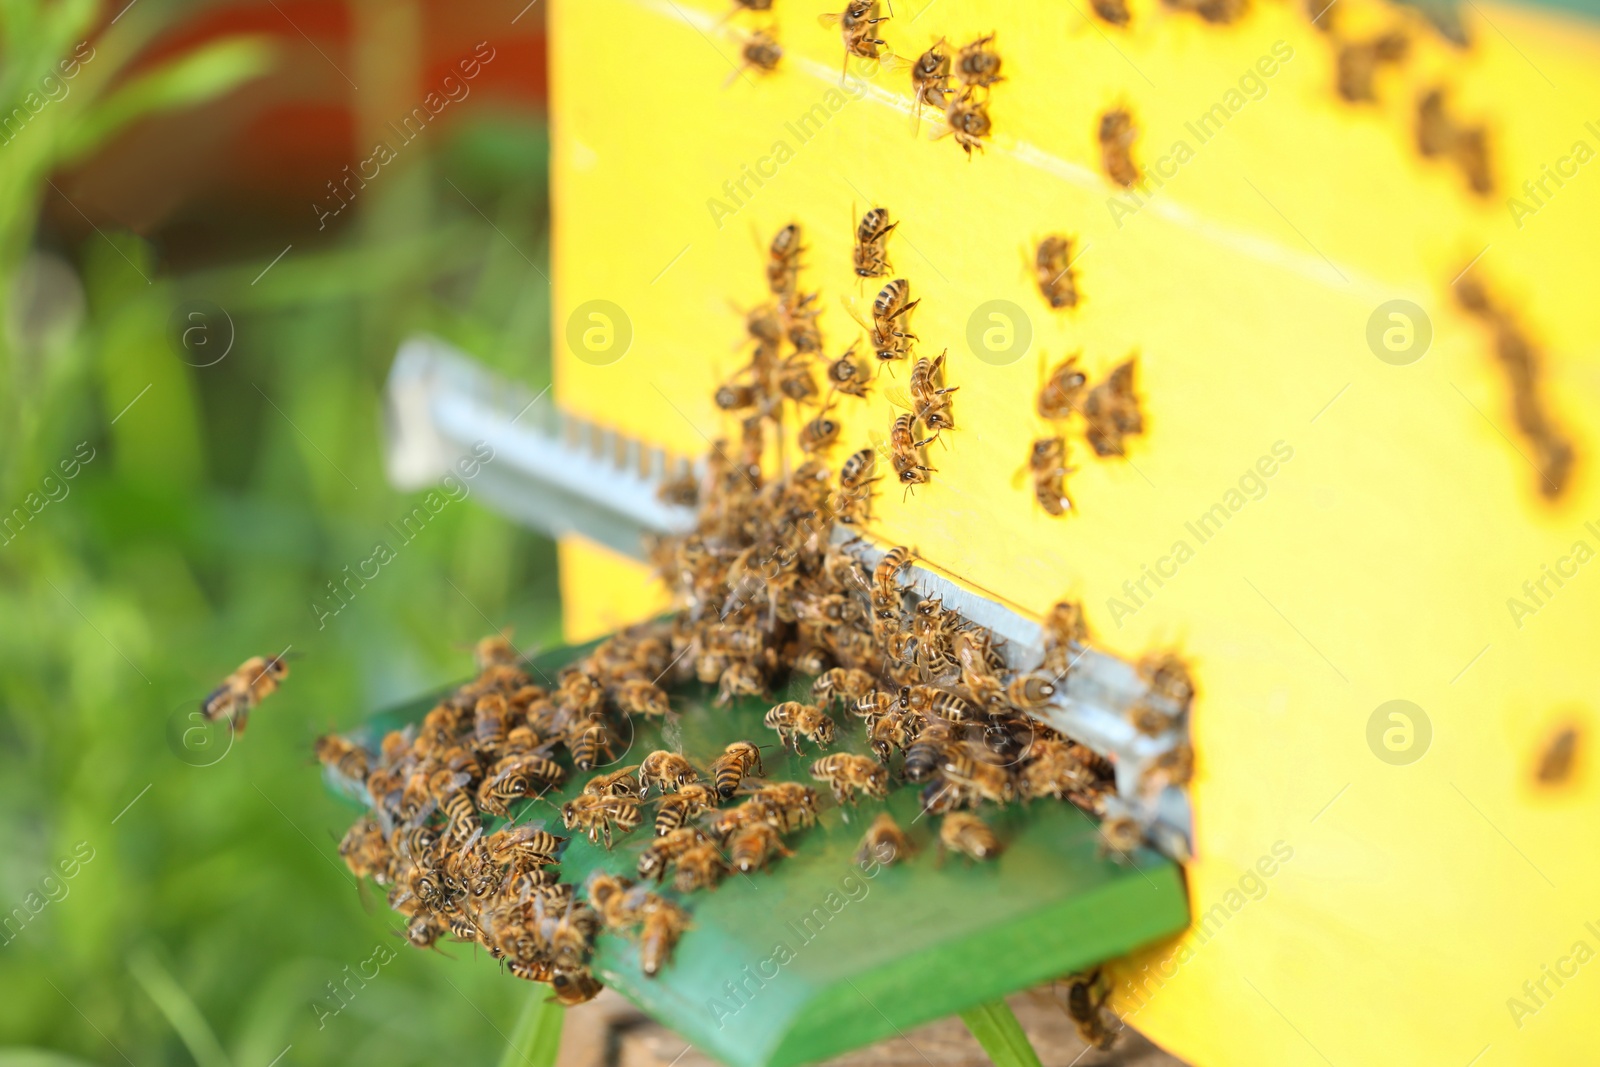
(180, 1010)
(39, 1057)
(997, 1030)
(537, 1038)
(204, 74)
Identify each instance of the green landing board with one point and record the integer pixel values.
(817, 956)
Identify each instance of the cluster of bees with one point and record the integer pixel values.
(1439, 134)
(975, 66)
(1110, 411)
(1520, 359)
(492, 742)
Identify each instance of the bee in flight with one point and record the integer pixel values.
(256, 679)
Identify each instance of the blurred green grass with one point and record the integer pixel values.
(214, 910)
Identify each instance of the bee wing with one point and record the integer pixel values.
(899, 399)
(852, 305)
(830, 19)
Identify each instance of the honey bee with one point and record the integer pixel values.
(783, 804)
(524, 847)
(1436, 131)
(893, 302)
(664, 924)
(590, 744)
(967, 834)
(795, 380)
(869, 257)
(927, 701)
(740, 679)
(1117, 134)
(491, 718)
(886, 575)
(1031, 692)
(1119, 836)
(1113, 11)
(678, 808)
(1558, 758)
(820, 433)
(664, 769)
(793, 720)
(977, 64)
(926, 751)
(750, 5)
(855, 25)
(496, 793)
(846, 686)
(342, 756)
(256, 679)
(855, 487)
(751, 847)
(967, 769)
(1063, 629)
(596, 815)
(783, 262)
(736, 396)
(849, 774)
(1173, 767)
(966, 119)
(1217, 12)
(618, 783)
(846, 376)
(496, 650)
(617, 903)
(930, 78)
(1085, 1006)
(884, 842)
(1052, 270)
(800, 324)
(896, 729)
(1358, 61)
(574, 987)
(1471, 150)
(1168, 676)
(1047, 467)
(904, 453)
(682, 491)
(664, 850)
(1056, 768)
(932, 402)
(639, 697)
(760, 51)
(1111, 411)
(365, 851)
(730, 768)
(1150, 720)
(700, 867)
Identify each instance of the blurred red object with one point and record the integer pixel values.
(259, 157)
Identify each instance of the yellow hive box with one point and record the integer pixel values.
(1319, 530)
